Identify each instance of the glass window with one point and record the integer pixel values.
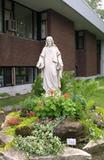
(24, 75)
(35, 25)
(0, 15)
(43, 25)
(1, 77)
(80, 40)
(23, 16)
(5, 76)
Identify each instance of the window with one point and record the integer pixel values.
(79, 40)
(24, 75)
(1, 16)
(43, 25)
(35, 25)
(23, 16)
(1, 77)
(5, 76)
(8, 15)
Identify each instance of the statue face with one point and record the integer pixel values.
(49, 42)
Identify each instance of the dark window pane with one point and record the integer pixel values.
(24, 75)
(23, 17)
(79, 40)
(7, 76)
(35, 25)
(1, 77)
(43, 25)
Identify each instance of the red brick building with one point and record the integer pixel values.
(77, 30)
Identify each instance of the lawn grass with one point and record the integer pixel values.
(98, 96)
(12, 101)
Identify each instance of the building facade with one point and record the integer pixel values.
(24, 25)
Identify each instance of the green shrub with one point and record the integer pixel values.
(28, 104)
(66, 82)
(57, 106)
(41, 142)
(37, 88)
(77, 87)
(93, 131)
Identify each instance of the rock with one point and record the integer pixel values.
(5, 138)
(69, 154)
(12, 154)
(99, 120)
(3, 157)
(70, 129)
(96, 149)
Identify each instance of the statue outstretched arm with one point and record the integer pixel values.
(40, 63)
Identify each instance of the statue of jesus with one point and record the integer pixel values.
(50, 62)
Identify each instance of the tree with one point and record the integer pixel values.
(96, 5)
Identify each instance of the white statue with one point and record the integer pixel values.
(51, 64)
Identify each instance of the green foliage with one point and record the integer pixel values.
(94, 132)
(94, 3)
(57, 106)
(28, 104)
(29, 121)
(37, 88)
(66, 82)
(41, 142)
(77, 87)
(4, 94)
(10, 130)
(15, 114)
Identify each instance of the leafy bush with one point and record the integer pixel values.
(77, 87)
(41, 142)
(93, 131)
(57, 106)
(37, 88)
(66, 82)
(28, 104)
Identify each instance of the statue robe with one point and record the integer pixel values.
(51, 64)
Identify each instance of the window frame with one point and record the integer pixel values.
(80, 38)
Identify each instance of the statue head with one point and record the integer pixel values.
(49, 41)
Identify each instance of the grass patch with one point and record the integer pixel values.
(98, 96)
(12, 101)
(4, 95)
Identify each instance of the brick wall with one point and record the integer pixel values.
(91, 54)
(62, 30)
(15, 51)
(86, 59)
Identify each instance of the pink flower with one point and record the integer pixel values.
(13, 121)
